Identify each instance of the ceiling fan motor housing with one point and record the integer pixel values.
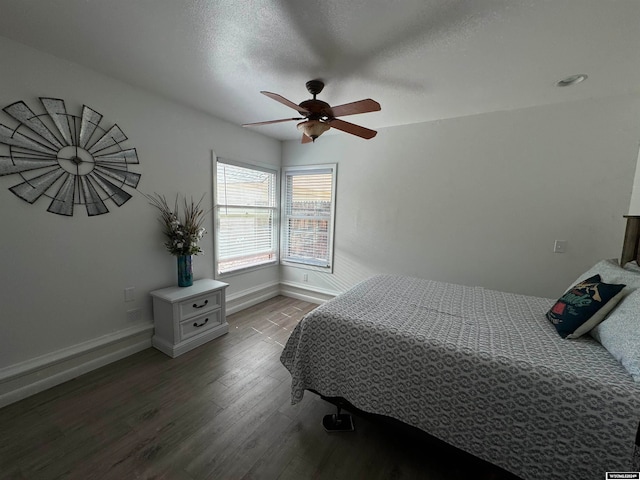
(316, 109)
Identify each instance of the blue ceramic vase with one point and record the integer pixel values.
(185, 271)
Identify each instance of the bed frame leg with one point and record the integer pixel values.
(338, 422)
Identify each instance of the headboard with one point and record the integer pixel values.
(631, 245)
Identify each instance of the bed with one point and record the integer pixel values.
(482, 370)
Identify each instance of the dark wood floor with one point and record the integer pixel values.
(221, 411)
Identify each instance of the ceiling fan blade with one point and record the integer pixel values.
(361, 106)
(352, 128)
(306, 139)
(271, 121)
(284, 101)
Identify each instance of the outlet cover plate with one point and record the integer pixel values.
(560, 246)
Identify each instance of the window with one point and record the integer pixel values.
(246, 216)
(308, 201)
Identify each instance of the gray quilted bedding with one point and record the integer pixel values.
(482, 370)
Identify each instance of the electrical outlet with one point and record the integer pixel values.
(133, 315)
(560, 246)
(129, 294)
(305, 277)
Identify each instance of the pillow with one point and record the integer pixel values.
(611, 272)
(632, 266)
(584, 306)
(620, 334)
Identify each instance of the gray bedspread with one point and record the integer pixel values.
(482, 370)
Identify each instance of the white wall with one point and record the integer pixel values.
(476, 200)
(480, 200)
(63, 278)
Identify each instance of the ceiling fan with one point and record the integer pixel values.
(319, 116)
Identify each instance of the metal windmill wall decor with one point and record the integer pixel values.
(67, 158)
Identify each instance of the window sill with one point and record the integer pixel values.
(306, 266)
(241, 271)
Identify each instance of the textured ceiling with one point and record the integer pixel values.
(420, 59)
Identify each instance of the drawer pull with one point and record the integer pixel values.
(196, 324)
(195, 305)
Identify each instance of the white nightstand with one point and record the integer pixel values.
(187, 317)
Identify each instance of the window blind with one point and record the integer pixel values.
(308, 216)
(246, 217)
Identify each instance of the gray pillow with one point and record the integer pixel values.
(620, 333)
(633, 266)
(611, 272)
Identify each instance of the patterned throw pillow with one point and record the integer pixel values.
(583, 306)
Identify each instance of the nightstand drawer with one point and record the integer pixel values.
(197, 325)
(199, 305)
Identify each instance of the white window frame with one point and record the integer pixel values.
(216, 219)
(302, 170)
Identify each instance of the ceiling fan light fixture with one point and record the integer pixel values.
(313, 128)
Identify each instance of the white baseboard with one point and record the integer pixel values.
(306, 293)
(24, 379)
(250, 297)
